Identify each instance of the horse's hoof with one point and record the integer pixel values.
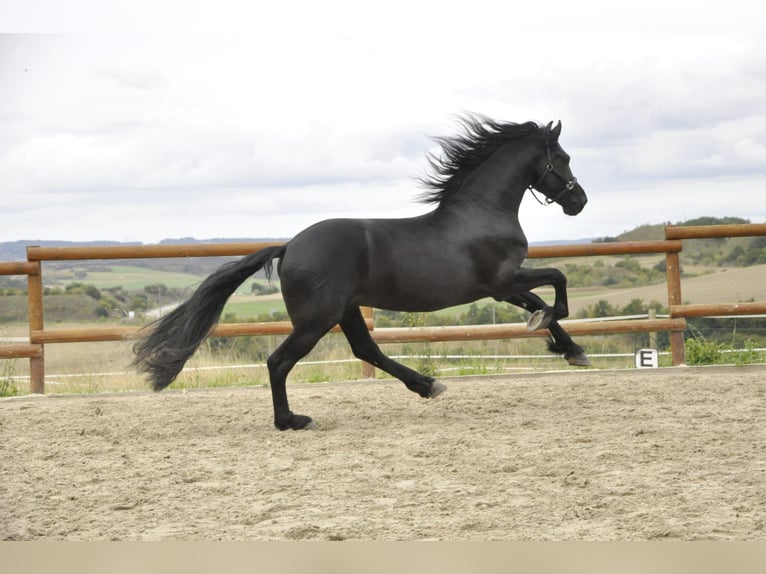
(540, 319)
(437, 388)
(579, 360)
(297, 422)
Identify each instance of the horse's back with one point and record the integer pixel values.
(351, 262)
(329, 241)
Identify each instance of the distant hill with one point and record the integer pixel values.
(738, 251)
(734, 252)
(650, 232)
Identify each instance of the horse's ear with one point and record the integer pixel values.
(555, 131)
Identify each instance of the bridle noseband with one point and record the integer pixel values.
(549, 169)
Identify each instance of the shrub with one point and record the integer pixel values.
(702, 352)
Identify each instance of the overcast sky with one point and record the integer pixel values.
(153, 120)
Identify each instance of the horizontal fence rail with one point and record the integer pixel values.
(515, 330)
(145, 251)
(18, 268)
(672, 246)
(714, 231)
(612, 248)
(718, 309)
(20, 351)
(86, 335)
(33, 352)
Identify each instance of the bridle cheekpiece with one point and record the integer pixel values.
(550, 170)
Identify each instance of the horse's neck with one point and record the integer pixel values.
(486, 210)
(496, 188)
(470, 221)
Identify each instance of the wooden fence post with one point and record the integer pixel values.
(673, 273)
(35, 301)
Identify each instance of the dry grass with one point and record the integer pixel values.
(104, 367)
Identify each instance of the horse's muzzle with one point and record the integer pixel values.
(576, 201)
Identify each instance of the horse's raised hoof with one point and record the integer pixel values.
(540, 319)
(578, 360)
(296, 422)
(437, 388)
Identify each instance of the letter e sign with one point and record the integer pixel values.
(647, 359)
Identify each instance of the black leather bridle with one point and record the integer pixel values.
(550, 170)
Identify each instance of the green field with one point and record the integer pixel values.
(248, 306)
(125, 276)
(132, 278)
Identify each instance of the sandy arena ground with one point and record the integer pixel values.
(587, 455)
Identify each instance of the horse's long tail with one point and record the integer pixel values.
(171, 340)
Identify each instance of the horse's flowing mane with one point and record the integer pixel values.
(464, 152)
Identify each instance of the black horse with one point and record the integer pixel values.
(470, 247)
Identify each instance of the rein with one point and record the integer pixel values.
(549, 169)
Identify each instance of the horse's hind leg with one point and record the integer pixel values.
(366, 349)
(562, 343)
(296, 346)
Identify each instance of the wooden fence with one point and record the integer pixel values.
(39, 336)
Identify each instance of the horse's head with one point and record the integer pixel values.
(553, 176)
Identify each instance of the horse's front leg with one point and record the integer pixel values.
(524, 280)
(560, 342)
